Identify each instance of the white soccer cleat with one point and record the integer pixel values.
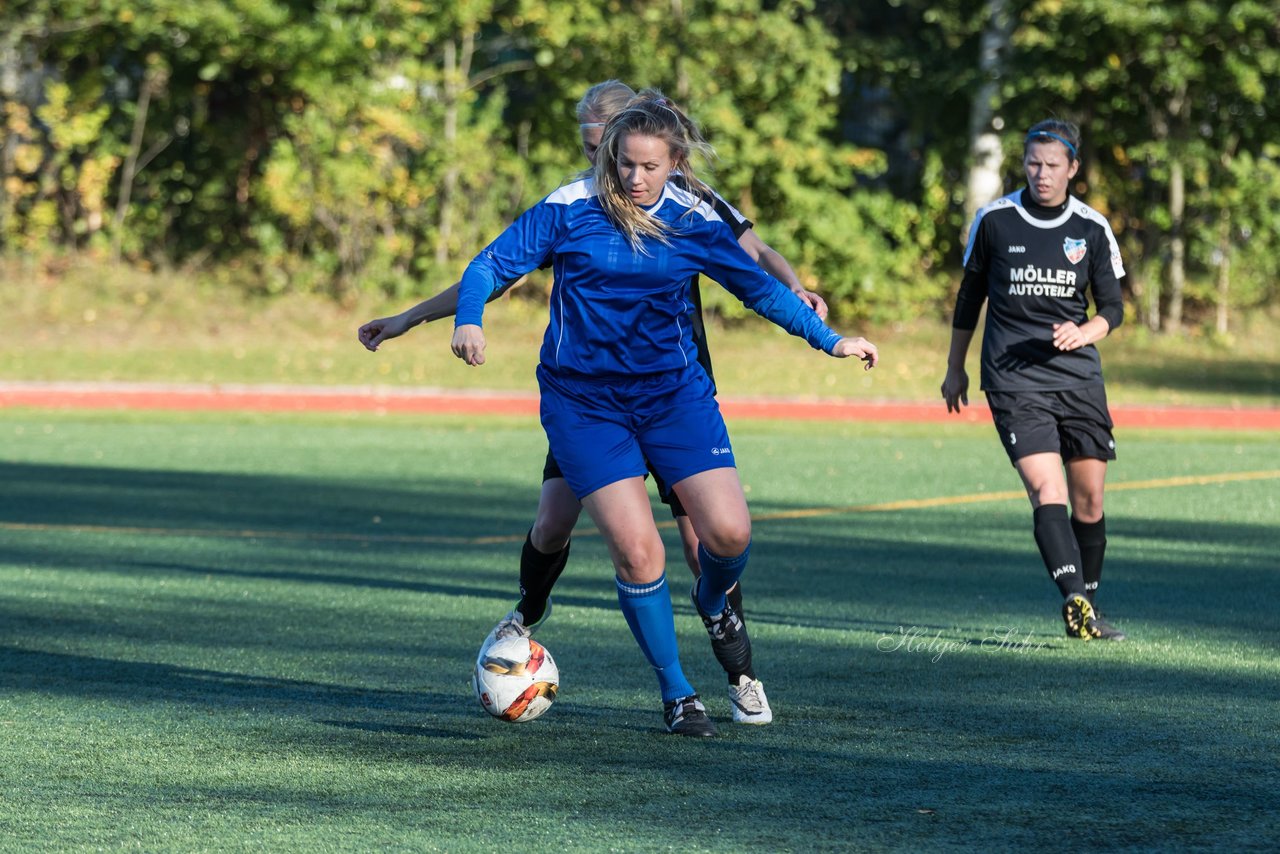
(750, 705)
(511, 626)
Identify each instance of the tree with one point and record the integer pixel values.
(1168, 92)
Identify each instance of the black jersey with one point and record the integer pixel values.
(1032, 265)
(740, 225)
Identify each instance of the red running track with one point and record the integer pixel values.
(434, 401)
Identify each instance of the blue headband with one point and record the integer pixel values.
(1037, 134)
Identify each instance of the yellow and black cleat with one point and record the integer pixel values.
(1104, 629)
(1078, 614)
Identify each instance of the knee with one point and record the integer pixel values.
(729, 540)
(1048, 494)
(639, 561)
(553, 526)
(549, 535)
(1087, 508)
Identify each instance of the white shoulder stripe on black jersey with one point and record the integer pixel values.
(692, 202)
(1002, 202)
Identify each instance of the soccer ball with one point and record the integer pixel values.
(516, 679)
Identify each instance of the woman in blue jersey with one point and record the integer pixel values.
(1031, 256)
(546, 549)
(618, 367)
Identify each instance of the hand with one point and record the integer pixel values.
(468, 344)
(860, 347)
(375, 332)
(1068, 336)
(815, 302)
(955, 389)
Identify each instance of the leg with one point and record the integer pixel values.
(558, 512)
(1046, 487)
(1088, 444)
(1085, 479)
(719, 517)
(717, 510)
(689, 540)
(1030, 427)
(546, 550)
(746, 692)
(621, 511)
(1043, 479)
(718, 513)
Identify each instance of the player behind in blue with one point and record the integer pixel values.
(618, 367)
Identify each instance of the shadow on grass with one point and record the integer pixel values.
(869, 572)
(869, 744)
(238, 504)
(1250, 378)
(140, 682)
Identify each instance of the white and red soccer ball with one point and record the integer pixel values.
(516, 679)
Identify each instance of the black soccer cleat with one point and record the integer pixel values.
(729, 640)
(1078, 615)
(1105, 630)
(687, 716)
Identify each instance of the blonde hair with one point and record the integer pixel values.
(603, 100)
(649, 114)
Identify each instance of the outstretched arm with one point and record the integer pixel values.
(442, 305)
(772, 262)
(729, 265)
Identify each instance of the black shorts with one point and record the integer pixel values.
(1072, 423)
(551, 469)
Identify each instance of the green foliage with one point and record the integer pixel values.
(344, 147)
(1155, 83)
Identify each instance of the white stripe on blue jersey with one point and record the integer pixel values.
(617, 311)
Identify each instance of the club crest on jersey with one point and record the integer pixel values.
(1075, 249)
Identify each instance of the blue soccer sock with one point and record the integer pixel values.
(647, 608)
(718, 575)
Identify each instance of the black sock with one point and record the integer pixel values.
(735, 599)
(1092, 537)
(1058, 548)
(734, 596)
(538, 574)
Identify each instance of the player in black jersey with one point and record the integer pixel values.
(1031, 255)
(546, 548)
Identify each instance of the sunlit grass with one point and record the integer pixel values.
(233, 632)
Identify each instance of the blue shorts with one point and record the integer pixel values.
(602, 430)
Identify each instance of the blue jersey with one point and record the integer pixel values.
(618, 311)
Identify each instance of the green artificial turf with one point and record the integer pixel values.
(254, 633)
